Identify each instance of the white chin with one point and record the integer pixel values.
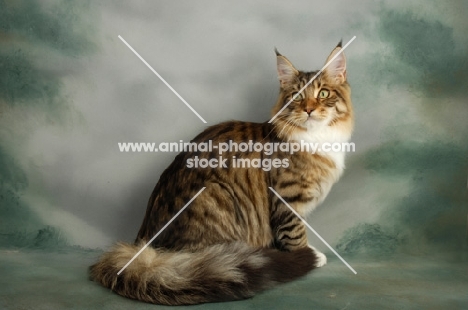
(311, 122)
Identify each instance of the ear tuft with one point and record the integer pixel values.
(336, 70)
(286, 71)
(277, 53)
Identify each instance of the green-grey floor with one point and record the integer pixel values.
(34, 279)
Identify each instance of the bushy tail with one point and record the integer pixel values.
(218, 273)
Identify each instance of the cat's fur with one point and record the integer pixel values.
(237, 238)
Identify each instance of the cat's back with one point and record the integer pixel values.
(237, 131)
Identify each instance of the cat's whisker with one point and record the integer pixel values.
(287, 119)
(289, 126)
(285, 127)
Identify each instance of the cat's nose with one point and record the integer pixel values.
(309, 110)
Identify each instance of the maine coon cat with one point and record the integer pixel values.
(237, 238)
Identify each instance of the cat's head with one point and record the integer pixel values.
(324, 102)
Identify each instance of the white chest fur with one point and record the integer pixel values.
(327, 141)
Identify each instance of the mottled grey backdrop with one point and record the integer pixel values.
(70, 90)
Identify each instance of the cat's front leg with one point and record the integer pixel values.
(289, 233)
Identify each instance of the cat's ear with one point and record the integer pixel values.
(286, 71)
(336, 70)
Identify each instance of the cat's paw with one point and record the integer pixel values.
(321, 258)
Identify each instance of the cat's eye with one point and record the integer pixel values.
(324, 93)
(299, 96)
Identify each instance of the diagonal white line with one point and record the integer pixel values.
(163, 80)
(159, 232)
(311, 80)
(313, 230)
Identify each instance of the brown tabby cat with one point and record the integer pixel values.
(237, 238)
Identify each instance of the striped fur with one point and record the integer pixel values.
(237, 238)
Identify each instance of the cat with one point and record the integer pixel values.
(237, 238)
